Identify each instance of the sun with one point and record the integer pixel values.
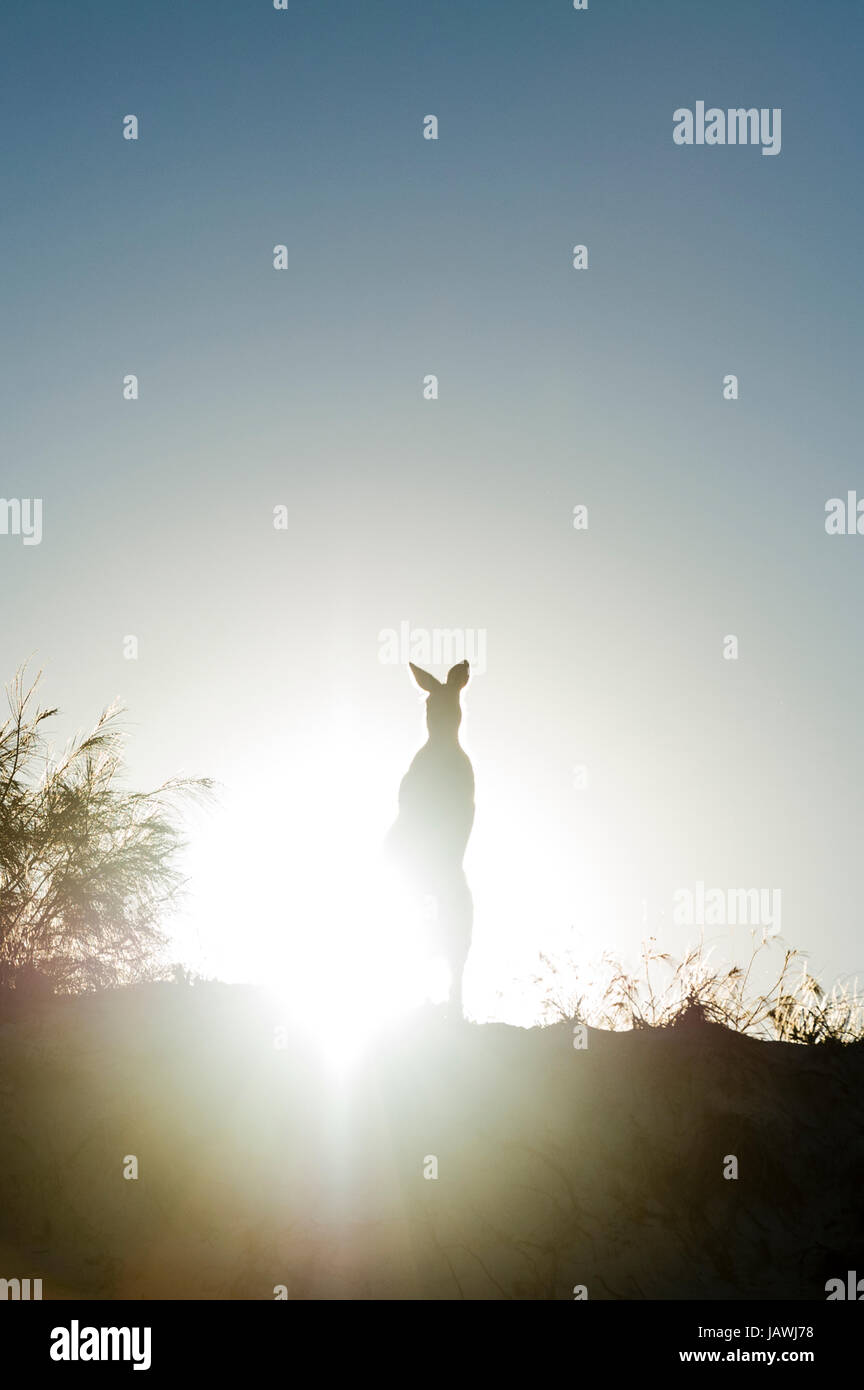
(351, 969)
(290, 891)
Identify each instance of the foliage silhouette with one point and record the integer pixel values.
(87, 867)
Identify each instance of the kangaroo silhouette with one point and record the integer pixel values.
(436, 813)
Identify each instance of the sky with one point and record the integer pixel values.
(259, 650)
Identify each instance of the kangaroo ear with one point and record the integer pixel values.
(423, 678)
(457, 676)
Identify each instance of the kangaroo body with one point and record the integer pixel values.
(436, 813)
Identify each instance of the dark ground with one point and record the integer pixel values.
(556, 1167)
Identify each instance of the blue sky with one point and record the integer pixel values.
(557, 387)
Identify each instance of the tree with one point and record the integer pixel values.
(87, 868)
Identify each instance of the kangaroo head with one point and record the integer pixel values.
(443, 712)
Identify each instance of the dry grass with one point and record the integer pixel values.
(790, 1005)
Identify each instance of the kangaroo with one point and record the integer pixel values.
(436, 813)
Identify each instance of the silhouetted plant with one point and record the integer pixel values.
(87, 868)
(792, 1008)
